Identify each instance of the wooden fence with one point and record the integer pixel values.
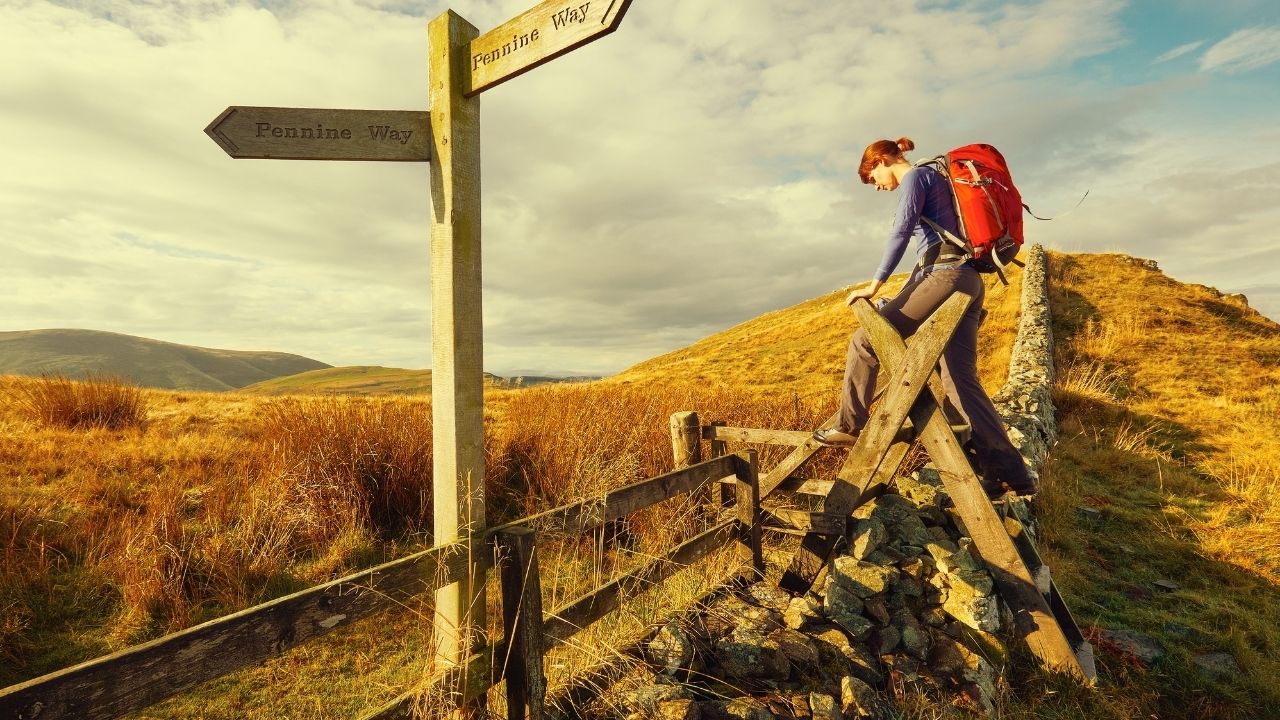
(140, 676)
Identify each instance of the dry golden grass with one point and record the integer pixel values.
(218, 502)
(102, 402)
(801, 349)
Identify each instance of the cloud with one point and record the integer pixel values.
(1244, 50)
(691, 171)
(1178, 52)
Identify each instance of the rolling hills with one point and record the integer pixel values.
(145, 362)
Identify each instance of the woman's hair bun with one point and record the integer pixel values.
(905, 144)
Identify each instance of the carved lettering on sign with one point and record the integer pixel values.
(319, 132)
(573, 14)
(570, 14)
(517, 42)
(384, 133)
(540, 34)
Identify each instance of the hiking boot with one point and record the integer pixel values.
(831, 437)
(996, 489)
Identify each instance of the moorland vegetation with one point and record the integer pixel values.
(194, 505)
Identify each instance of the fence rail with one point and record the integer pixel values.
(140, 676)
(143, 675)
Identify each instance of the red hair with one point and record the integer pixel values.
(882, 151)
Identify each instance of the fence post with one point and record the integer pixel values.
(522, 623)
(686, 448)
(720, 448)
(686, 439)
(747, 490)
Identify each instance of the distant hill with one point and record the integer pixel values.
(377, 380)
(352, 380)
(146, 362)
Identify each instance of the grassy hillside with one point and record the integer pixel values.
(801, 349)
(350, 380)
(149, 363)
(1166, 469)
(1169, 400)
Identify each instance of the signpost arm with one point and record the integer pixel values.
(456, 331)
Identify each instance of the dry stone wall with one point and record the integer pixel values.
(905, 604)
(1025, 402)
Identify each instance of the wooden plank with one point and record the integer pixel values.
(748, 511)
(526, 683)
(276, 133)
(906, 433)
(593, 513)
(573, 617)
(457, 384)
(1033, 618)
(819, 522)
(1049, 589)
(540, 34)
(720, 448)
(798, 457)
(911, 372)
(766, 437)
(136, 677)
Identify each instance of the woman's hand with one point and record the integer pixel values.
(866, 292)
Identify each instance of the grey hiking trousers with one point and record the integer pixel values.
(919, 298)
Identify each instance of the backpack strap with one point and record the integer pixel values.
(947, 236)
(1073, 207)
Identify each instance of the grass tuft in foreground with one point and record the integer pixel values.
(96, 402)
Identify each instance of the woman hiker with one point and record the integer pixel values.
(940, 271)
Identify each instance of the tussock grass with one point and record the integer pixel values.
(96, 402)
(330, 457)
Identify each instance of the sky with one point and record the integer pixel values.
(691, 171)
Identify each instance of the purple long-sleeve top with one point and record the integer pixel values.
(923, 191)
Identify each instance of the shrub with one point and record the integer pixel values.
(99, 401)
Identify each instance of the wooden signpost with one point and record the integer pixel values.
(317, 134)
(463, 64)
(540, 34)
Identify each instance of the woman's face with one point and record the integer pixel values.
(882, 177)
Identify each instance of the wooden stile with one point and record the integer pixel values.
(1033, 618)
(866, 457)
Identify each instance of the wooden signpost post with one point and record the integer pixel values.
(463, 64)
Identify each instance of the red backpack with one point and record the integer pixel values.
(988, 206)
